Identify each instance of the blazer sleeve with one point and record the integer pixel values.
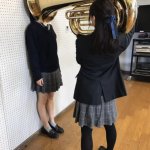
(124, 40)
(78, 55)
(33, 56)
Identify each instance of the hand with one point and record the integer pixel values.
(40, 82)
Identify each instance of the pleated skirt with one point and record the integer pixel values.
(52, 82)
(95, 115)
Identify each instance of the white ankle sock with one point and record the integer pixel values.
(47, 128)
(53, 124)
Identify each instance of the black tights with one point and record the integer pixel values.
(86, 138)
(87, 141)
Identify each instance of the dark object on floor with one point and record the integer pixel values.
(102, 148)
(52, 133)
(57, 128)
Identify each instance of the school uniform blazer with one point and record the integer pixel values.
(99, 75)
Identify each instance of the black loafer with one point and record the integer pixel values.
(58, 129)
(52, 133)
(102, 148)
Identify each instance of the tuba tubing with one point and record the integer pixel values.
(37, 7)
(78, 16)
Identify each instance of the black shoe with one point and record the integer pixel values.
(102, 148)
(57, 128)
(52, 133)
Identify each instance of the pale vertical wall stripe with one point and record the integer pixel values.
(3, 131)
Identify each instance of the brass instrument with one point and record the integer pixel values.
(38, 7)
(126, 12)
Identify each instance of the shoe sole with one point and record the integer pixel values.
(45, 132)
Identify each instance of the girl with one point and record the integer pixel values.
(43, 60)
(99, 81)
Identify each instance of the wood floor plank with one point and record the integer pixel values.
(133, 125)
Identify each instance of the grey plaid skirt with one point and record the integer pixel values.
(52, 82)
(95, 115)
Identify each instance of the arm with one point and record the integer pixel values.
(124, 40)
(33, 54)
(78, 56)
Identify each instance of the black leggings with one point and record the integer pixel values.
(87, 141)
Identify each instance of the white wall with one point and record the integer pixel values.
(18, 102)
(143, 2)
(125, 57)
(18, 114)
(3, 133)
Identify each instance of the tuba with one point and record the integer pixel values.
(78, 15)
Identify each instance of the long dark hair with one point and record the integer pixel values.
(103, 41)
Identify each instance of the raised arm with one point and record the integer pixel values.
(124, 40)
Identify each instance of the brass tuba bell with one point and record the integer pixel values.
(38, 7)
(126, 12)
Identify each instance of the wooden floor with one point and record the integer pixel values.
(133, 125)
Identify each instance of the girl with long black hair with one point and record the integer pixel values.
(99, 81)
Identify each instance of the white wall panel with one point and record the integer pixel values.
(68, 65)
(143, 2)
(18, 114)
(3, 132)
(19, 103)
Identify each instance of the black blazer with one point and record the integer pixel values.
(99, 74)
(41, 49)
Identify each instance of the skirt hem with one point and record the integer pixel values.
(95, 115)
